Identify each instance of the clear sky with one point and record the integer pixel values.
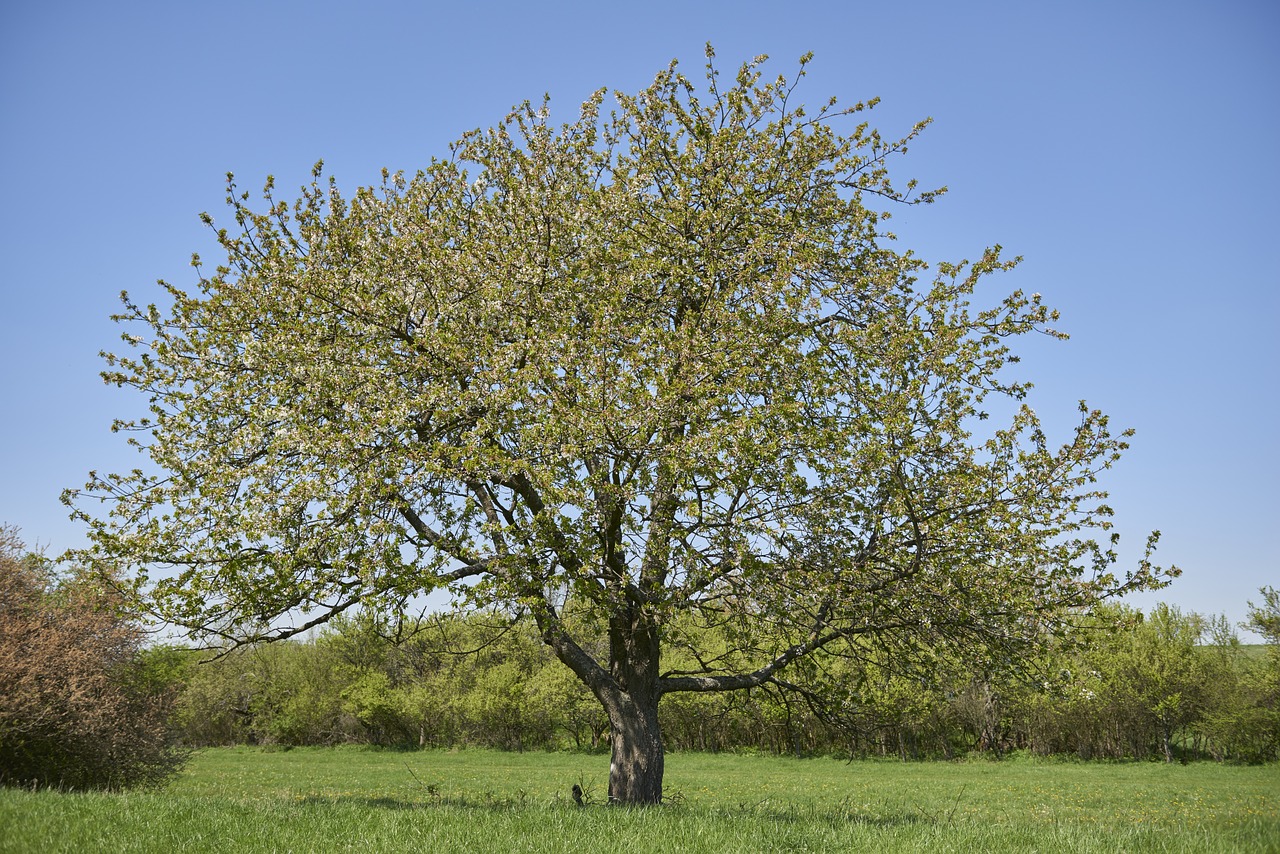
(1129, 150)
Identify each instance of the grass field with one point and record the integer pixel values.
(346, 799)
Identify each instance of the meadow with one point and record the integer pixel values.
(345, 799)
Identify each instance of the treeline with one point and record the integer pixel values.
(1168, 685)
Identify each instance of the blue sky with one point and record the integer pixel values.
(1129, 151)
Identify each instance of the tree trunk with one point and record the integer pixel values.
(635, 739)
(636, 764)
(629, 692)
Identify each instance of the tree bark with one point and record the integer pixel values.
(628, 691)
(635, 739)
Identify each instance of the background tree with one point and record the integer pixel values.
(1160, 674)
(75, 711)
(662, 364)
(1265, 618)
(1260, 729)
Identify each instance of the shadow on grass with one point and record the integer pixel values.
(836, 816)
(461, 802)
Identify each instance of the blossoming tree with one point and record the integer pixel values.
(664, 363)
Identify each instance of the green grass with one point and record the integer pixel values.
(1256, 651)
(355, 799)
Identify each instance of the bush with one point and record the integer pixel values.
(75, 712)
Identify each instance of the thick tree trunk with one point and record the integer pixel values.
(629, 692)
(636, 765)
(635, 739)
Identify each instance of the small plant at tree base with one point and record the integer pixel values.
(583, 792)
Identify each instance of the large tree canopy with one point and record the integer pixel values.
(664, 363)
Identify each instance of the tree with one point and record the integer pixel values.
(74, 712)
(1265, 618)
(665, 362)
(1162, 674)
(1264, 723)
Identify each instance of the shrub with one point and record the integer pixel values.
(75, 712)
